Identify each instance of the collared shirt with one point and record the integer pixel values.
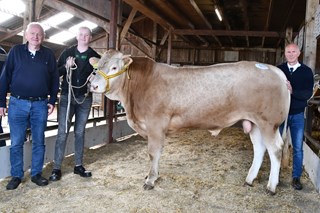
(28, 75)
(294, 66)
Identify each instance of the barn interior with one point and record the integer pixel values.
(182, 32)
(199, 32)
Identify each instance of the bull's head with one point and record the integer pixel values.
(107, 69)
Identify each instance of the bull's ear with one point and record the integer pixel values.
(94, 62)
(127, 60)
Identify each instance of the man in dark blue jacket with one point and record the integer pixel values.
(75, 100)
(301, 81)
(30, 74)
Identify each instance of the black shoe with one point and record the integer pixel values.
(13, 183)
(80, 170)
(55, 175)
(39, 180)
(296, 184)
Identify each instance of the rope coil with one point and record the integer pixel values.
(69, 70)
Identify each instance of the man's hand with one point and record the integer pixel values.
(50, 109)
(289, 86)
(70, 62)
(2, 111)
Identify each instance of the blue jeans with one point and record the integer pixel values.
(21, 114)
(296, 125)
(81, 113)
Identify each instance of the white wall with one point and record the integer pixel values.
(95, 135)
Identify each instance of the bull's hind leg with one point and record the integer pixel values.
(258, 153)
(274, 146)
(155, 145)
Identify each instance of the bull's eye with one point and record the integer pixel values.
(114, 68)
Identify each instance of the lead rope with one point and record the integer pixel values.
(71, 92)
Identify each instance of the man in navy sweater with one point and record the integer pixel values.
(301, 81)
(30, 74)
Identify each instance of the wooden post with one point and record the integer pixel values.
(310, 47)
(169, 48)
(288, 39)
(112, 45)
(154, 39)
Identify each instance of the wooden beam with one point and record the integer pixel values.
(149, 13)
(82, 14)
(266, 26)
(38, 8)
(12, 33)
(244, 5)
(230, 33)
(171, 12)
(169, 48)
(163, 40)
(204, 19)
(287, 18)
(197, 9)
(224, 19)
(127, 24)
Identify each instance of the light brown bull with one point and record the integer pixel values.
(160, 99)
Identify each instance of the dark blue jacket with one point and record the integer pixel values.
(30, 76)
(302, 82)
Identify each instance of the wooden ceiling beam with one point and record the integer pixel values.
(82, 14)
(244, 5)
(149, 13)
(204, 19)
(173, 14)
(224, 18)
(266, 26)
(232, 33)
(12, 33)
(285, 25)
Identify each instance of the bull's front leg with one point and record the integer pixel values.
(155, 145)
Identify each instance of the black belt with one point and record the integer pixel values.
(29, 98)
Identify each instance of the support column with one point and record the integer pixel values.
(311, 160)
(169, 48)
(310, 42)
(113, 44)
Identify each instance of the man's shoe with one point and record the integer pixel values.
(39, 180)
(296, 184)
(55, 175)
(80, 170)
(13, 183)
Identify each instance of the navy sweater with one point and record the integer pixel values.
(30, 76)
(302, 82)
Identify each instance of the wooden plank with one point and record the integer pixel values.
(230, 33)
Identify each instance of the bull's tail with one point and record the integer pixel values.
(286, 137)
(285, 149)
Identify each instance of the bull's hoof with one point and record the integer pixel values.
(147, 187)
(247, 184)
(269, 192)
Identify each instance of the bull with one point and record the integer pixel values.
(160, 99)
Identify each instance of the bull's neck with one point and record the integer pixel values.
(117, 88)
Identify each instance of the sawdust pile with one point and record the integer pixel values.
(198, 173)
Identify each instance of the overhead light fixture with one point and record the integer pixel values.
(218, 13)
